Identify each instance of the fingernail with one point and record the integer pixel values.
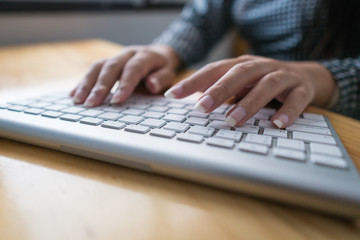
(77, 100)
(204, 104)
(281, 120)
(236, 116)
(174, 91)
(78, 97)
(116, 97)
(90, 101)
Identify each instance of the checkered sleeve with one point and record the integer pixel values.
(346, 72)
(200, 25)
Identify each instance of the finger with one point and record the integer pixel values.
(107, 77)
(236, 79)
(294, 104)
(160, 79)
(202, 79)
(267, 89)
(138, 67)
(205, 77)
(83, 89)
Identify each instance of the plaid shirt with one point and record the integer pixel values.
(274, 28)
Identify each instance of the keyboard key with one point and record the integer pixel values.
(251, 121)
(265, 124)
(176, 105)
(275, 132)
(22, 102)
(220, 110)
(55, 107)
(163, 133)
(200, 130)
(73, 110)
(4, 105)
(91, 113)
(160, 103)
(153, 123)
(113, 125)
(133, 112)
(139, 106)
(38, 104)
(228, 134)
(246, 128)
(35, 111)
(313, 116)
(270, 111)
(329, 161)
(261, 115)
(219, 124)
(309, 137)
(115, 109)
(150, 114)
(110, 116)
(178, 111)
(318, 123)
(197, 121)
(254, 148)
(190, 138)
(137, 128)
(219, 142)
(17, 108)
(318, 148)
(52, 114)
(289, 154)
(131, 119)
(91, 121)
(66, 101)
(258, 139)
(158, 109)
(291, 144)
(70, 117)
(177, 127)
(174, 118)
(216, 116)
(198, 114)
(309, 129)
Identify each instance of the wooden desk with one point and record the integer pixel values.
(45, 194)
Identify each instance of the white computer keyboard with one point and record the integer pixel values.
(308, 139)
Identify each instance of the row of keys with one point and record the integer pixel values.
(177, 124)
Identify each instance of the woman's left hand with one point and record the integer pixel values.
(258, 80)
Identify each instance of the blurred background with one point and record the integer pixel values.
(122, 21)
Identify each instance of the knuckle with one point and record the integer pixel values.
(303, 93)
(135, 67)
(222, 90)
(244, 67)
(214, 65)
(112, 64)
(84, 87)
(246, 57)
(273, 80)
(98, 63)
(100, 90)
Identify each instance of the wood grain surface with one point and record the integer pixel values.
(48, 195)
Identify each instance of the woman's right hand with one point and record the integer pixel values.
(155, 64)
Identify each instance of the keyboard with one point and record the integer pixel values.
(152, 125)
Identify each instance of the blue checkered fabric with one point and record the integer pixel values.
(274, 28)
